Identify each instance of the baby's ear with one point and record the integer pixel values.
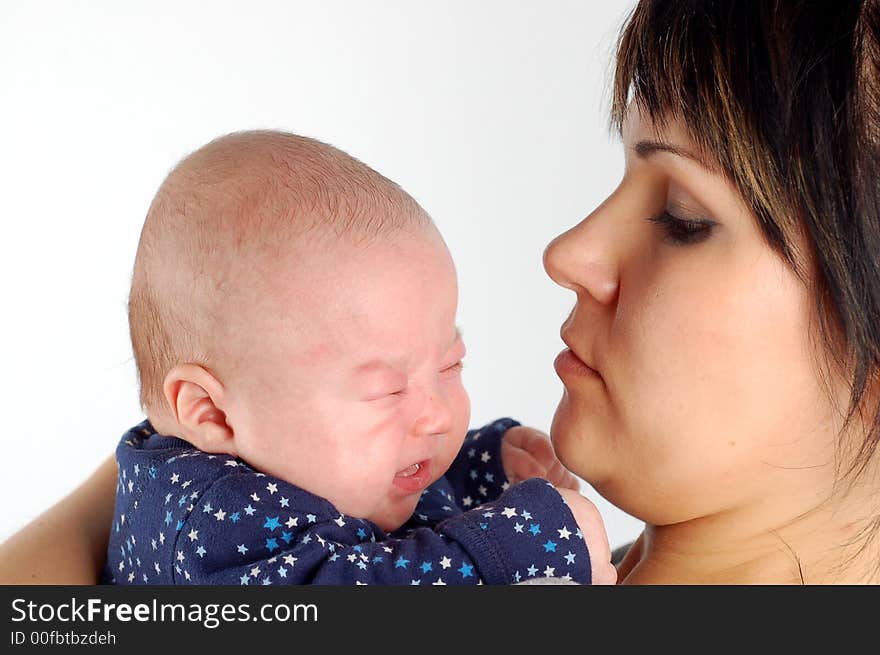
(194, 399)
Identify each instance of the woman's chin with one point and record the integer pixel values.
(574, 438)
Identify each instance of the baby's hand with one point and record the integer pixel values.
(593, 528)
(527, 453)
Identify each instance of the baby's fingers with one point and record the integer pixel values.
(519, 465)
(559, 476)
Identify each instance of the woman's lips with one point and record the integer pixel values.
(413, 478)
(568, 364)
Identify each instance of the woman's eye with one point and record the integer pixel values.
(683, 232)
(455, 368)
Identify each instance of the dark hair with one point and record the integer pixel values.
(784, 95)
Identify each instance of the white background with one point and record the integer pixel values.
(492, 114)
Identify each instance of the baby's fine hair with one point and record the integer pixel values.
(225, 213)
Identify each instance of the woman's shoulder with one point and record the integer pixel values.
(618, 553)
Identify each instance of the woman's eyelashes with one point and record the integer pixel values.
(683, 231)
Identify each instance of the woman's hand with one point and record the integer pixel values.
(527, 453)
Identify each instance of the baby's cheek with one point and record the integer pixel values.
(461, 408)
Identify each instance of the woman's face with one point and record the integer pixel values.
(704, 396)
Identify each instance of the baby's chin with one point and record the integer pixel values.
(390, 518)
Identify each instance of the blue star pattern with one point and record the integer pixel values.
(183, 516)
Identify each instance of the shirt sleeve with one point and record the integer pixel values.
(288, 536)
(476, 474)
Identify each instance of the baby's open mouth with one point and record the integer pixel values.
(410, 470)
(414, 478)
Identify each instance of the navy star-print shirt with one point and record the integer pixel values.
(183, 516)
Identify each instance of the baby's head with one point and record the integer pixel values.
(292, 307)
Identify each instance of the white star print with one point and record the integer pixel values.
(485, 456)
(193, 534)
(291, 522)
(340, 522)
(175, 478)
(445, 562)
(220, 515)
(271, 488)
(564, 533)
(467, 501)
(509, 512)
(548, 572)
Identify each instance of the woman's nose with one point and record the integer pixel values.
(583, 260)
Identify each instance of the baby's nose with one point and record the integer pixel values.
(435, 417)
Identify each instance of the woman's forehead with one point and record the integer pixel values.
(639, 125)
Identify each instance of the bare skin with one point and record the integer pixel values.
(693, 399)
(80, 521)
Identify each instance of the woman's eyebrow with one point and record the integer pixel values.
(646, 148)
